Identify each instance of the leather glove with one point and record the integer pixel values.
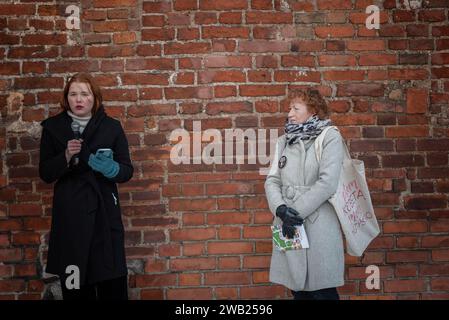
(101, 163)
(288, 231)
(290, 218)
(289, 215)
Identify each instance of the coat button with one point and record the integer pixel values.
(290, 192)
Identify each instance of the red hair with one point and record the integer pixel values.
(83, 78)
(312, 99)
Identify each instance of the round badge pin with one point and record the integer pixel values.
(282, 162)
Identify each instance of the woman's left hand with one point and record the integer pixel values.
(101, 163)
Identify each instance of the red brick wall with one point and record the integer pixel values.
(202, 231)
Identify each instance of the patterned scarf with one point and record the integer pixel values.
(305, 131)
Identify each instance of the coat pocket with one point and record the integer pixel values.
(112, 206)
(312, 218)
(115, 212)
(299, 191)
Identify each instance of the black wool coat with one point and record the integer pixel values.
(86, 228)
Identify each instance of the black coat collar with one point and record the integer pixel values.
(60, 126)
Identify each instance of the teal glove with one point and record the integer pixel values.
(107, 153)
(101, 163)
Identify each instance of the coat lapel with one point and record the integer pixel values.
(93, 124)
(59, 127)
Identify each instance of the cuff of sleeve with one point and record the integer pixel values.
(84, 154)
(276, 205)
(63, 161)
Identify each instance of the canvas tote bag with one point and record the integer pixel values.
(352, 201)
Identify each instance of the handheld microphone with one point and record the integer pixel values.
(76, 132)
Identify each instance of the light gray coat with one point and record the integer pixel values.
(306, 185)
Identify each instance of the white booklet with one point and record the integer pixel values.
(282, 243)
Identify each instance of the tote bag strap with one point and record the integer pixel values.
(319, 144)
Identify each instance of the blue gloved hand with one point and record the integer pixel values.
(107, 153)
(101, 163)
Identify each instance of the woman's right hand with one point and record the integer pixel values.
(73, 147)
(289, 215)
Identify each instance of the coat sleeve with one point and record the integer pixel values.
(329, 173)
(121, 155)
(52, 163)
(273, 182)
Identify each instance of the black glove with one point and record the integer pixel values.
(289, 215)
(288, 231)
(290, 218)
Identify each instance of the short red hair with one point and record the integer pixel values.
(312, 99)
(83, 78)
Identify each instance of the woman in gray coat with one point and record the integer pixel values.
(297, 190)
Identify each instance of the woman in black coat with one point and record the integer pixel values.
(87, 232)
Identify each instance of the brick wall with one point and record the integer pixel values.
(202, 231)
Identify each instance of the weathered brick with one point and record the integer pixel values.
(202, 231)
(425, 202)
(403, 160)
(417, 100)
(190, 294)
